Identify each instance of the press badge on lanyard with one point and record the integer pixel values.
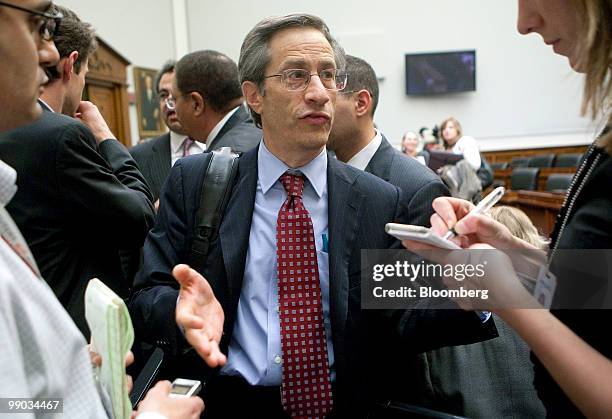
(545, 286)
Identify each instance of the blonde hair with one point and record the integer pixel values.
(519, 225)
(596, 61)
(457, 125)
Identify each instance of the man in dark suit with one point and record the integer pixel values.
(289, 248)
(208, 102)
(80, 196)
(155, 157)
(358, 143)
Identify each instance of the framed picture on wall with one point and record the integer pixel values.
(147, 105)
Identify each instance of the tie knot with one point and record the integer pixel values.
(293, 184)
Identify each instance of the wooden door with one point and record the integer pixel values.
(106, 87)
(104, 99)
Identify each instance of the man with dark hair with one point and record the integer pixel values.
(80, 199)
(76, 41)
(358, 143)
(156, 156)
(282, 291)
(208, 102)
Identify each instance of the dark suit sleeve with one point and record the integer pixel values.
(419, 209)
(103, 191)
(426, 327)
(153, 304)
(138, 153)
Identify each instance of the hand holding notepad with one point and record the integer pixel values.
(112, 337)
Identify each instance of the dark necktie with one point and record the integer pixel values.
(186, 146)
(306, 385)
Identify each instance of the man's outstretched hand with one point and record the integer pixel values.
(200, 315)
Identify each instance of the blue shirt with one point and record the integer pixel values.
(255, 348)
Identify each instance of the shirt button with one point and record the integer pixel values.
(277, 359)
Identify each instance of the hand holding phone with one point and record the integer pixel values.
(419, 234)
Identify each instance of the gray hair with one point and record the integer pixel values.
(255, 54)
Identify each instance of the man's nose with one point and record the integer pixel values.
(316, 91)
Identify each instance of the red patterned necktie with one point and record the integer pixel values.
(186, 146)
(306, 384)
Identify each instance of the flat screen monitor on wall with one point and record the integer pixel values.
(440, 72)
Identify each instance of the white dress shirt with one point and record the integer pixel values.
(176, 146)
(363, 157)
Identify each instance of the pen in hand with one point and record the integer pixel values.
(483, 206)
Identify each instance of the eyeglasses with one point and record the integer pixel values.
(298, 79)
(47, 23)
(170, 102)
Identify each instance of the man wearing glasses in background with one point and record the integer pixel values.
(43, 354)
(81, 198)
(282, 289)
(208, 103)
(156, 156)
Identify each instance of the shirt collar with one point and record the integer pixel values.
(8, 177)
(220, 124)
(45, 105)
(362, 158)
(176, 143)
(270, 168)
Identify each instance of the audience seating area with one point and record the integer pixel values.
(536, 180)
(560, 163)
(559, 182)
(542, 160)
(568, 160)
(525, 178)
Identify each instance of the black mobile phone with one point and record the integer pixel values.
(146, 377)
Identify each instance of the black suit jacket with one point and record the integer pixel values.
(239, 133)
(154, 157)
(419, 184)
(359, 207)
(588, 226)
(77, 205)
(154, 160)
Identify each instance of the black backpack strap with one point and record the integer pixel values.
(216, 190)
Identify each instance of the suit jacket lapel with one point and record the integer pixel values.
(343, 216)
(380, 165)
(236, 223)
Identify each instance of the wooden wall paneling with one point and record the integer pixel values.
(106, 86)
(541, 207)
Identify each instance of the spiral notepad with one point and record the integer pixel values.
(112, 336)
